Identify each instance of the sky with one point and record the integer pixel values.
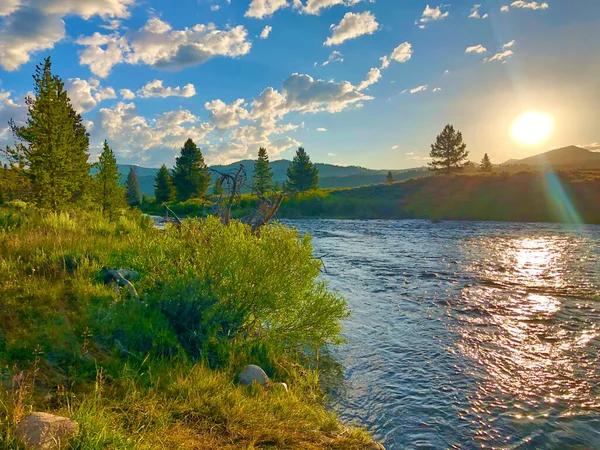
(355, 82)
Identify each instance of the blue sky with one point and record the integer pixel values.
(239, 74)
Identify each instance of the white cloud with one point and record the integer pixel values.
(394, 147)
(331, 154)
(402, 53)
(156, 89)
(315, 6)
(476, 49)
(334, 57)
(373, 77)
(10, 110)
(215, 7)
(225, 116)
(431, 14)
(7, 7)
(385, 62)
(529, 5)
(127, 94)
(475, 14)
(594, 147)
(260, 9)
(352, 26)
(266, 31)
(88, 8)
(156, 44)
(437, 89)
(422, 88)
(505, 8)
(86, 95)
(509, 44)
(321, 130)
(500, 57)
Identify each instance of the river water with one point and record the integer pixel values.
(467, 334)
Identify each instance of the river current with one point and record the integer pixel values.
(467, 334)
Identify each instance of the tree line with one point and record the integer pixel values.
(48, 164)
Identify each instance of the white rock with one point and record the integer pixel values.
(43, 431)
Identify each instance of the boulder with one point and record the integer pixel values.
(43, 431)
(253, 374)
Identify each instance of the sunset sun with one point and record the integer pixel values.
(532, 128)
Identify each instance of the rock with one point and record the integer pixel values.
(43, 431)
(253, 374)
(280, 387)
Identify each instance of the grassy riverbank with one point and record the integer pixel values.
(532, 196)
(160, 372)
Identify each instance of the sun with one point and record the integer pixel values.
(532, 128)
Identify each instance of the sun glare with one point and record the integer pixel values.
(532, 128)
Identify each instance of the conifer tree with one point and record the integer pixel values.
(389, 177)
(108, 182)
(486, 164)
(163, 186)
(302, 174)
(191, 177)
(53, 144)
(263, 175)
(448, 153)
(132, 189)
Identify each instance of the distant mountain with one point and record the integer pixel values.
(330, 176)
(571, 157)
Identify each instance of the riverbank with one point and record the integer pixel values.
(522, 197)
(157, 366)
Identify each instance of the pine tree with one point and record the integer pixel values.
(132, 189)
(163, 186)
(218, 187)
(53, 145)
(389, 177)
(486, 164)
(449, 153)
(263, 175)
(302, 174)
(276, 186)
(191, 177)
(108, 182)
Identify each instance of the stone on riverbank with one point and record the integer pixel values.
(43, 431)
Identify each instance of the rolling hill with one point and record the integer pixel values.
(571, 157)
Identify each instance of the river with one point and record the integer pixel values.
(467, 334)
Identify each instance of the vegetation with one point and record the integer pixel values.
(163, 186)
(449, 153)
(302, 174)
(132, 189)
(486, 164)
(263, 175)
(160, 372)
(191, 177)
(389, 177)
(111, 194)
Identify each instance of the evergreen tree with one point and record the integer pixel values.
(302, 174)
(486, 164)
(132, 189)
(389, 177)
(53, 145)
(449, 152)
(218, 187)
(263, 175)
(276, 186)
(163, 186)
(108, 182)
(191, 177)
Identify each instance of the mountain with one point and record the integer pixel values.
(571, 157)
(330, 175)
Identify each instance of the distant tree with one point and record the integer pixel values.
(110, 193)
(53, 145)
(132, 187)
(302, 174)
(218, 187)
(191, 177)
(263, 175)
(389, 177)
(276, 186)
(486, 164)
(448, 153)
(163, 186)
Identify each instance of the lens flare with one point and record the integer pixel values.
(532, 128)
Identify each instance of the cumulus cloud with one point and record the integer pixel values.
(315, 6)
(505, 8)
(334, 57)
(476, 49)
(373, 77)
(127, 94)
(352, 26)
(88, 8)
(509, 44)
(431, 14)
(394, 147)
(10, 110)
(260, 9)
(85, 95)
(594, 147)
(475, 14)
(402, 53)
(156, 89)
(499, 57)
(158, 45)
(322, 130)
(266, 31)
(437, 89)
(528, 5)
(225, 116)
(7, 7)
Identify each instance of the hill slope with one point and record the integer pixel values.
(566, 157)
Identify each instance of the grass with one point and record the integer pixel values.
(161, 372)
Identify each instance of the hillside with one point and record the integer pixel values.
(571, 157)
